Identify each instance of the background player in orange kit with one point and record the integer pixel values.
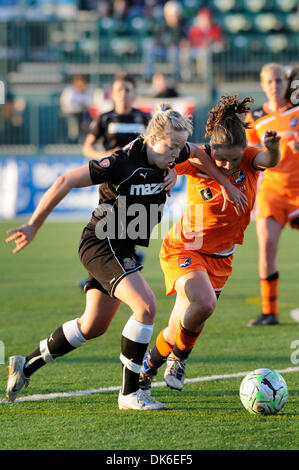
(278, 196)
(197, 253)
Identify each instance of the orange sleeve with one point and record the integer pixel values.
(251, 134)
(189, 168)
(248, 156)
(186, 168)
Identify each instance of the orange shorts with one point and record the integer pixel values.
(283, 208)
(178, 262)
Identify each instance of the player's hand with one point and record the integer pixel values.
(271, 140)
(169, 181)
(235, 196)
(22, 236)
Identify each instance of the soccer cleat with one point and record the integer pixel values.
(147, 374)
(140, 401)
(264, 320)
(16, 377)
(175, 372)
(145, 382)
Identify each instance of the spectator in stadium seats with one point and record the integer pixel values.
(196, 255)
(278, 195)
(12, 114)
(75, 101)
(205, 37)
(169, 42)
(161, 88)
(107, 249)
(120, 8)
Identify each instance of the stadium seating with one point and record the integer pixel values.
(44, 52)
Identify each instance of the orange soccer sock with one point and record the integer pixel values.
(185, 342)
(160, 351)
(269, 294)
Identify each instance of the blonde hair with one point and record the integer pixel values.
(165, 117)
(273, 66)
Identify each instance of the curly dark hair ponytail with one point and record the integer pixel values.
(224, 126)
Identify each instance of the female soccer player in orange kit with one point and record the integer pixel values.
(278, 195)
(197, 253)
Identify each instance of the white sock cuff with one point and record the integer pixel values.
(73, 333)
(138, 332)
(129, 364)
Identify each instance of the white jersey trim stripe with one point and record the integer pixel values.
(293, 213)
(264, 121)
(290, 111)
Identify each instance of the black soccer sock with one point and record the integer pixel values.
(134, 342)
(65, 339)
(134, 351)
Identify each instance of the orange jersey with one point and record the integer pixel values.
(204, 227)
(285, 176)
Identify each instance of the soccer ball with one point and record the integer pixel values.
(263, 391)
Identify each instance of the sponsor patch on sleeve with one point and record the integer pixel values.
(206, 194)
(104, 163)
(239, 176)
(184, 262)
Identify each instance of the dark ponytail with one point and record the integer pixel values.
(224, 126)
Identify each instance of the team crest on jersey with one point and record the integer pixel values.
(129, 263)
(105, 163)
(184, 262)
(206, 194)
(293, 121)
(239, 176)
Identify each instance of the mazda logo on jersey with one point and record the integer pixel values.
(239, 176)
(206, 194)
(145, 189)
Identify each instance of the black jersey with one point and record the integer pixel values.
(117, 130)
(131, 200)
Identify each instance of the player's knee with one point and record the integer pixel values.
(268, 248)
(147, 310)
(204, 307)
(90, 330)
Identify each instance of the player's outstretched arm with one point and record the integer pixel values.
(23, 235)
(230, 192)
(271, 156)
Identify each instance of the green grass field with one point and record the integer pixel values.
(39, 293)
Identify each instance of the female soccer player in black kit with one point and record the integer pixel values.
(119, 126)
(137, 177)
(116, 128)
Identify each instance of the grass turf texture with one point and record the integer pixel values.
(39, 293)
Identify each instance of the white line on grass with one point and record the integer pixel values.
(80, 393)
